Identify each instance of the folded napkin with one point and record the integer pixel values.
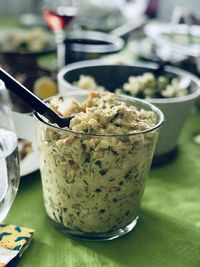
(14, 240)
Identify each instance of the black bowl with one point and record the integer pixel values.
(86, 45)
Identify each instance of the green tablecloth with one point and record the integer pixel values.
(167, 233)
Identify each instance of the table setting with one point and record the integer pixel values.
(100, 135)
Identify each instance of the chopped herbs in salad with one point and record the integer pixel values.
(92, 183)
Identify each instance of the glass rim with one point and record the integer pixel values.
(114, 43)
(129, 99)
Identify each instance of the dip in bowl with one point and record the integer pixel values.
(94, 172)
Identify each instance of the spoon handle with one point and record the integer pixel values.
(20, 90)
(31, 99)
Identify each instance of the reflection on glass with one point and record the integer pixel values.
(9, 161)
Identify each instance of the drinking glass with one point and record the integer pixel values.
(93, 184)
(9, 161)
(58, 14)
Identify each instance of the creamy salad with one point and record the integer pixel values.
(93, 179)
(25, 40)
(143, 86)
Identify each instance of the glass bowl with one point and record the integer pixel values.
(93, 183)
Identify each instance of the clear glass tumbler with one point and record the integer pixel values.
(9, 161)
(93, 184)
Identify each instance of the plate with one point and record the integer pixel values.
(29, 158)
(27, 42)
(25, 130)
(29, 164)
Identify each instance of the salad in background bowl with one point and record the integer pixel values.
(26, 42)
(175, 103)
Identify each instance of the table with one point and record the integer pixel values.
(167, 233)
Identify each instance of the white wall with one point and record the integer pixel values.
(17, 7)
(167, 6)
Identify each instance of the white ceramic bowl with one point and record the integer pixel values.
(113, 76)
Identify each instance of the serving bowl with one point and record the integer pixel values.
(180, 38)
(84, 45)
(112, 76)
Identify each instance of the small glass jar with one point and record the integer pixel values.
(93, 184)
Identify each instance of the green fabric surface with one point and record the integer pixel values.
(167, 233)
(9, 21)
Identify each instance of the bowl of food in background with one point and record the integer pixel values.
(20, 49)
(32, 42)
(175, 43)
(174, 91)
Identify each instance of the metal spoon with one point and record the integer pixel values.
(32, 100)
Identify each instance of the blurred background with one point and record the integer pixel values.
(52, 34)
(164, 8)
(39, 37)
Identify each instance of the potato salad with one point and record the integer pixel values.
(93, 173)
(145, 86)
